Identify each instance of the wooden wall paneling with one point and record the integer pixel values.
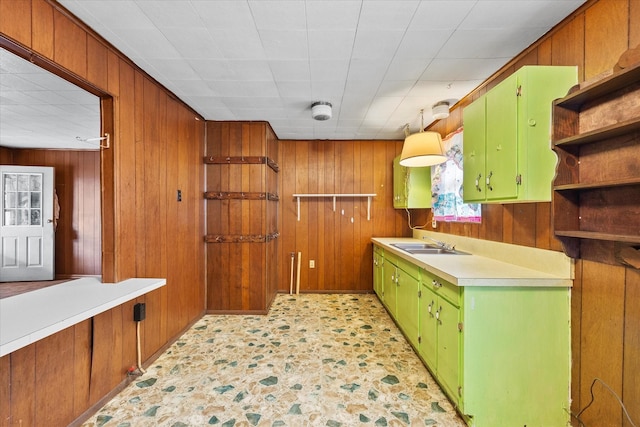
(634, 30)
(106, 353)
(346, 233)
(544, 234)
(302, 235)
(5, 391)
(364, 249)
(507, 223)
(106, 204)
(97, 68)
(605, 20)
(602, 333)
(138, 210)
(126, 148)
(316, 209)
(55, 370)
(15, 20)
(383, 187)
(329, 157)
(175, 223)
(23, 386)
(287, 222)
(524, 224)
(70, 44)
(631, 356)
(568, 43)
(42, 27)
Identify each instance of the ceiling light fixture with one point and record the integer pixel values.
(321, 110)
(422, 148)
(440, 110)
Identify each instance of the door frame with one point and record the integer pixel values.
(107, 156)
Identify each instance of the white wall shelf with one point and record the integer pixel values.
(335, 196)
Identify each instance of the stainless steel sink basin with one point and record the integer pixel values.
(424, 248)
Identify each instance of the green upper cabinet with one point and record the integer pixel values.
(411, 186)
(507, 150)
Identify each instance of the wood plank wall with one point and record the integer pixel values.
(77, 183)
(605, 299)
(341, 249)
(157, 148)
(241, 276)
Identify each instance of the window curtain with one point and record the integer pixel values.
(446, 185)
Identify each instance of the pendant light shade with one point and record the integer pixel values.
(422, 149)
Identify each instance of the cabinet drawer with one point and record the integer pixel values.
(441, 287)
(378, 250)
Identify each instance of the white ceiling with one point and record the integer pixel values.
(41, 110)
(379, 62)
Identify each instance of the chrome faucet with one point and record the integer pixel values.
(440, 244)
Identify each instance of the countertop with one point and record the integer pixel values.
(478, 270)
(29, 317)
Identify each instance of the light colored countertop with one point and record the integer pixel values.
(541, 268)
(29, 317)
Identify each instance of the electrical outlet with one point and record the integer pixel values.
(312, 263)
(179, 195)
(139, 312)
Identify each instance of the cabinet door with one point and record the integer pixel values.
(378, 261)
(448, 346)
(502, 140)
(427, 346)
(473, 151)
(399, 184)
(390, 274)
(407, 308)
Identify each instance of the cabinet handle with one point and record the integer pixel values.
(436, 284)
(489, 181)
(430, 308)
(438, 315)
(478, 183)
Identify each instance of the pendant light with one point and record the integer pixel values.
(422, 148)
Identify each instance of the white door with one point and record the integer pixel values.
(27, 231)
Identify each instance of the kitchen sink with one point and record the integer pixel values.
(426, 249)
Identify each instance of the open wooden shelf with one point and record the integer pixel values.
(596, 191)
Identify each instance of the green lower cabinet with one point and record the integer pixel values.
(408, 307)
(378, 278)
(516, 356)
(501, 354)
(440, 336)
(389, 285)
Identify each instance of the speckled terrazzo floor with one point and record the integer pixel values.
(314, 360)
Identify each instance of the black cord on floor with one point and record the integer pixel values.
(626, 413)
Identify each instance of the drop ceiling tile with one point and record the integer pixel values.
(330, 91)
(440, 14)
(335, 44)
(239, 43)
(278, 14)
(173, 68)
(171, 13)
(422, 44)
(372, 70)
(187, 88)
(150, 43)
(493, 14)
(193, 42)
(225, 15)
(370, 44)
(462, 69)
(129, 15)
(294, 89)
(329, 70)
(333, 15)
(407, 69)
(239, 89)
(290, 70)
(487, 43)
(285, 44)
(387, 15)
(395, 87)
